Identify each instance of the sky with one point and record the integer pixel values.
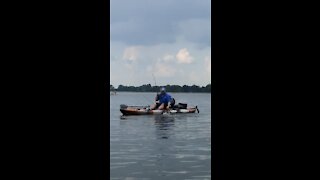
(160, 42)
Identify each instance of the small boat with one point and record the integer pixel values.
(144, 110)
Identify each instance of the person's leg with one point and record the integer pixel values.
(154, 106)
(161, 107)
(166, 106)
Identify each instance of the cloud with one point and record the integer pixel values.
(164, 38)
(168, 58)
(146, 22)
(183, 56)
(194, 77)
(162, 70)
(131, 53)
(196, 30)
(161, 61)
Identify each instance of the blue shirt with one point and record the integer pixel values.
(165, 98)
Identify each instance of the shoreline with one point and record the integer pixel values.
(157, 92)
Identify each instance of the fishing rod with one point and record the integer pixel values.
(155, 83)
(147, 99)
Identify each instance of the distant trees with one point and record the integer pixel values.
(112, 88)
(169, 88)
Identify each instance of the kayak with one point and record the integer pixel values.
(144, 110)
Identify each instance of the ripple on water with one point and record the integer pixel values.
(123, 163)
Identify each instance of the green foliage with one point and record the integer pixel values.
(169, 88)
(112, 88)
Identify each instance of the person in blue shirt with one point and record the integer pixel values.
(163, 100)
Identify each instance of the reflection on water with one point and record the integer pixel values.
(163, 125)
(171, 146)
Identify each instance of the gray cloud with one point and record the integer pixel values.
(149, 22)
(175, 10)
(168, 38)
(196, 30)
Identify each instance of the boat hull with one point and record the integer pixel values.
(137, 111)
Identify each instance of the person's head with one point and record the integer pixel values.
(162, 90)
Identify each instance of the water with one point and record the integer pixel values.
(160, 147)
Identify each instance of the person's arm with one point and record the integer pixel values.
(161, 99)
(168, 99)
(157, 98)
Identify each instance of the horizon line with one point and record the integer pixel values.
(165, 85)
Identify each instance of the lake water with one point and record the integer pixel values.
(160, 147)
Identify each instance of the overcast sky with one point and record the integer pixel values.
(170, 39)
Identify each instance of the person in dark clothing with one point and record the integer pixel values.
(163, 100)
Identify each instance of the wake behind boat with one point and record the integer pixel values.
(145, 110)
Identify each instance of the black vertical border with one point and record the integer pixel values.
(217, 128)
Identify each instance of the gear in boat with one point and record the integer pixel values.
(145, 110)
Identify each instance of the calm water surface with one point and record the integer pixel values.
(160, 147)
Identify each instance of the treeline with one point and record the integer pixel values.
(169, 88)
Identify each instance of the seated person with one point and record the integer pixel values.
(163, 100)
